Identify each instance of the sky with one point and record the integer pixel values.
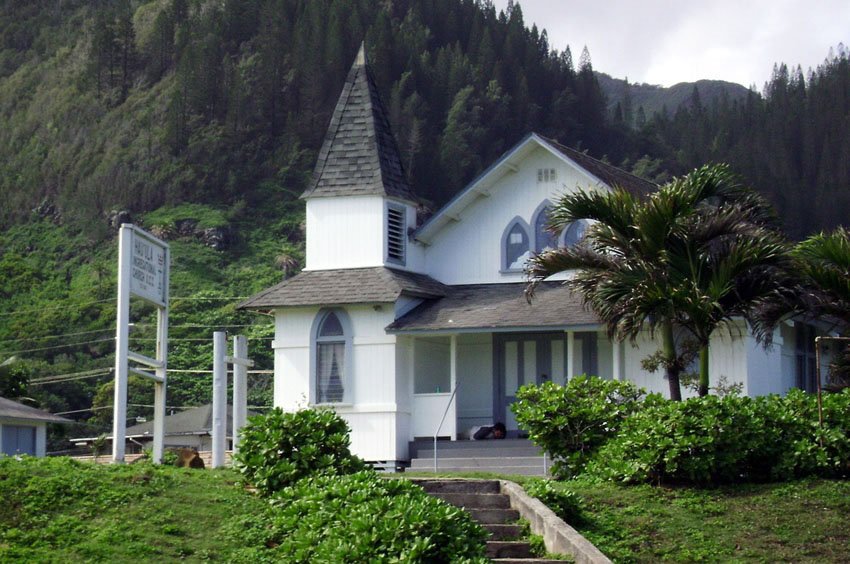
(670, 41)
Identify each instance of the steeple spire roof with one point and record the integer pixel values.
(359, 156)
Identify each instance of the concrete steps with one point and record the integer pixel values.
(483, 500)
(508, 456)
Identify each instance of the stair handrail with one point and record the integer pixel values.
(440, 426)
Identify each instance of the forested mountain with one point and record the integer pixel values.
(201, 119)
(792, 143)
(640, 102)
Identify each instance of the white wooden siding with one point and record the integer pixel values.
(468, 251)
(345, 232)
(371, 407)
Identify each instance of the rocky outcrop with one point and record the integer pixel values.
(116, 218)
(218, 238)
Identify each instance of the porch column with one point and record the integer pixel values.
(571, 356)
(453, 376)
(617, 360)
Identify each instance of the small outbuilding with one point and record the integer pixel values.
(23, 429)
(191, 428)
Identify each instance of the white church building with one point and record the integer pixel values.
(397, 320)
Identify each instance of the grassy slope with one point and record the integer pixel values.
(803, 521)
(798, 521)
(61, 510)
(65, 511)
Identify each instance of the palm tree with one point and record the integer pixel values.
(824, 261)
(821, 291)
(694, 255)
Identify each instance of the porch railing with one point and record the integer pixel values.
(442, 420)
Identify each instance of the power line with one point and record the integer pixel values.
(192, 371)
(57, 346)
(182, 326)
(23, 311)
(201, 326)
(188, 298)
(56, 336)
(129, 404)
(196, 339)
(70, 376)
(83, 304)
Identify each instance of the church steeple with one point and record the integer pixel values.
(359, 156)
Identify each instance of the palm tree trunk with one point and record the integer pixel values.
(703, 371)
(671, 364)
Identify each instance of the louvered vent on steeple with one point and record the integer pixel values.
(396, 233)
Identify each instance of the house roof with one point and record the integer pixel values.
(601, 173)
(189, 422)
(359, 155)
(496, 307)
(13, 409)
(195, 421)
(346, 286)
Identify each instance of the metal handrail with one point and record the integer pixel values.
(440, 426)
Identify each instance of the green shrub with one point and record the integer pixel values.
(278, 449)
(361, 518)
(824, 452)
(564, 502)
(714, 440)
(570, 422)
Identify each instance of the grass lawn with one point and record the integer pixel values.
(802, 521)
(807, 520)
(59, 510)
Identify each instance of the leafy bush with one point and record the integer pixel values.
(571, 422)
(824, 452)
(564, 502)
(360, 518)
(733, 439)
(278, 449)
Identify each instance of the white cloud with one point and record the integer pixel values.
(665, 42)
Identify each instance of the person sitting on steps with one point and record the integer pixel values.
(496, 431)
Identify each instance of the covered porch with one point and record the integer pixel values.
(470, 351)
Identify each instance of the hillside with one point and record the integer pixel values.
(655, 99)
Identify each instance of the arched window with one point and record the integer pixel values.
(332, 348)
(543, 238)
(573, 233)
(516, 245)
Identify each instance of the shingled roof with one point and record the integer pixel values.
(346, 286)
(497, 306)
(196, 421)
(15, 410)
(359, 156)
(609, 174)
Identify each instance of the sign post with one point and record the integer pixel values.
(143, 270)
(241, 363)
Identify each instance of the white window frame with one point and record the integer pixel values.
(506, 266)
(316, 340)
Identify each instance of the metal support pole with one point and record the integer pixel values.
(122, 339)
(240, 388)
(160, 387)
(820, 391)
(219, 407)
